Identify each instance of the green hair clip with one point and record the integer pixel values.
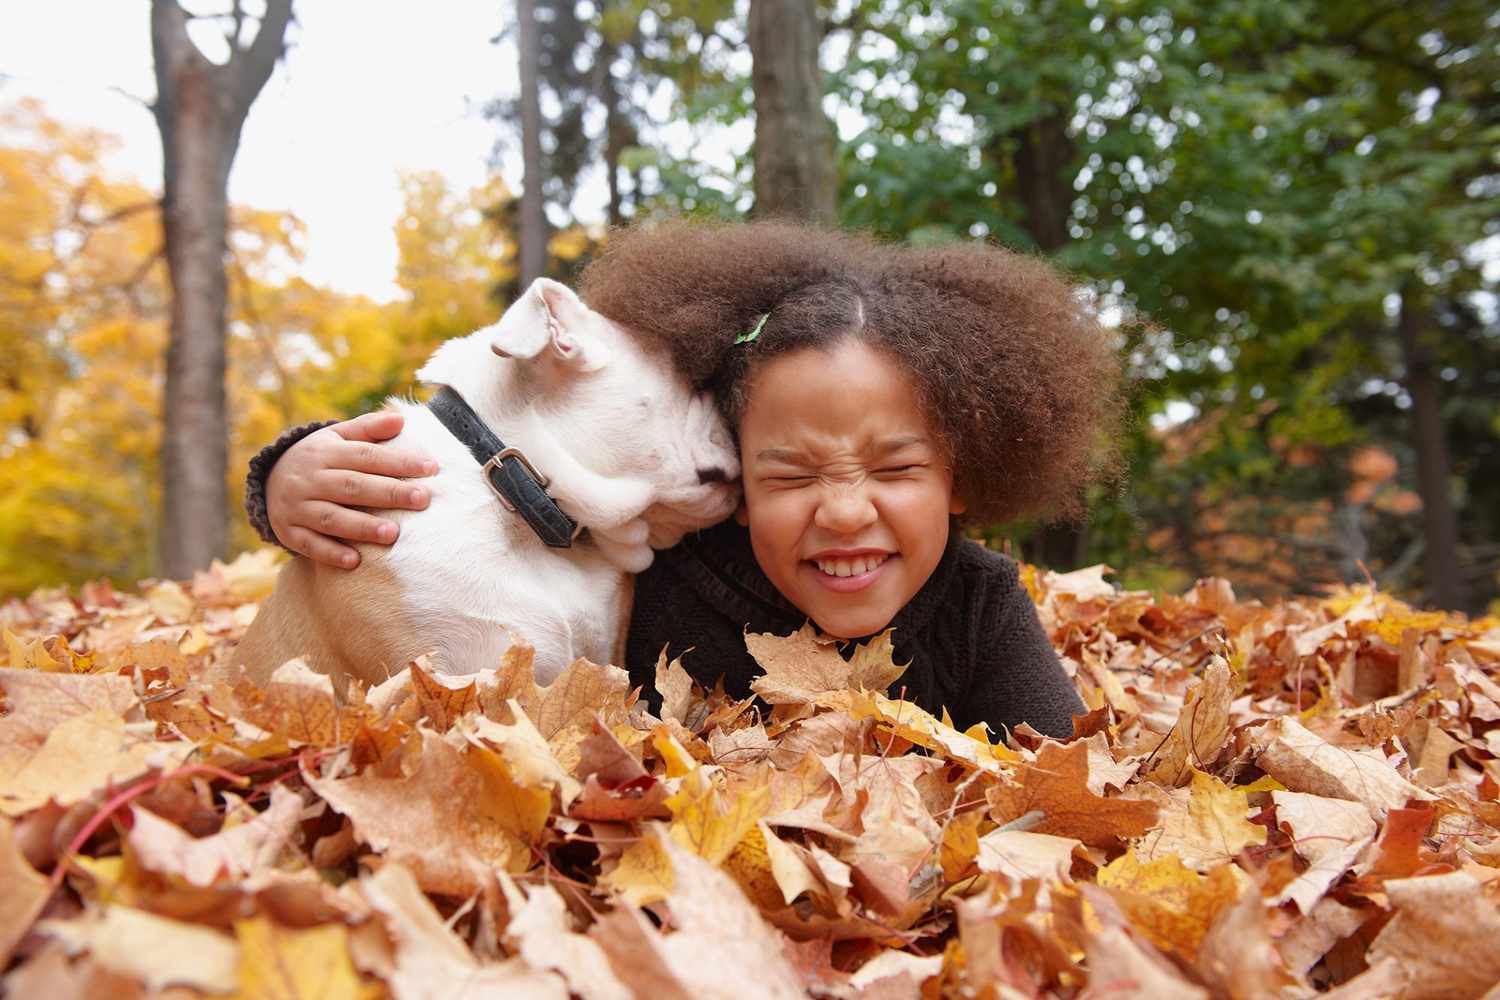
(746, 338)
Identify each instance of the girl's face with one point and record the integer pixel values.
(847, 491)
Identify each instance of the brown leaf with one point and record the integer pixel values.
(431, 961)
(721, 947)
(803, 665)
(1443, 936)
(1057, 787)
(449, 812)
(1329, 833)
(1236, 956)
(1200, 732)
(234, 853)
(1205, 827)
(443, 700)
(580, 692)
(82, 755)
(675, 687)
(1022, 854)
(25, 892)
(539, 930)
(155, 950)
(40, 701)
(1304, 762)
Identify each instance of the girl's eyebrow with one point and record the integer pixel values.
(897, 443)
(789, 457)
(784, 455)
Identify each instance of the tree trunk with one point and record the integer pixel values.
(533, 261)
(795, 174)
(1444, 584)
(1044, 181)
(200, 109)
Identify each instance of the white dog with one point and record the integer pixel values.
(632, 457)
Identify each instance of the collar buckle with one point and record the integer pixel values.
(520, 456)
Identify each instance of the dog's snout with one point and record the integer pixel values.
(712, 474)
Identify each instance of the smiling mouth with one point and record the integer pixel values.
(846, 566)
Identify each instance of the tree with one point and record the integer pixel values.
(533, 215)
(795, 173)
(200, 109)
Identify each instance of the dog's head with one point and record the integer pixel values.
(632, 452)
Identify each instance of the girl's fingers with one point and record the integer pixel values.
(357, 489)
(377, 426)
(382, 460)
(319, 548)
(341, 522)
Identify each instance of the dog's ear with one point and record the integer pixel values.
(547, 318)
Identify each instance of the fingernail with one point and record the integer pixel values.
(347, 559)
(429, 468)
(418, 496)
(387, 532)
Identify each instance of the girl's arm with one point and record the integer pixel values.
(1022, 680)
(303, 489)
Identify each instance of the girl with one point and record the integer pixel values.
(878, 392)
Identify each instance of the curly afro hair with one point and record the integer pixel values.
(1017, 377)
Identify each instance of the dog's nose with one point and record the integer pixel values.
(712, 474)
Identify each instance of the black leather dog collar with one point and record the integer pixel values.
(519, 486)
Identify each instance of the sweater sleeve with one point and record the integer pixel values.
(1019, 677)
(260, 471)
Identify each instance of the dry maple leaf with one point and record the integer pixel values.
(26, 892)
(452, 810)
(431, 961)
(1204, 826)
(1200, 732)
(1171, 904)
(157, 951)
(721, 948)
(294, 963)
(1057, 787)
(803, 665)
(1443, 936)
(539, 930)
(233, 853)
(1304, 762)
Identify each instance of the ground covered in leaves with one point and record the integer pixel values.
(1263, 801)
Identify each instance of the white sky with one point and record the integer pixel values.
(368, 88)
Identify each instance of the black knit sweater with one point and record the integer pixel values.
(971, 633)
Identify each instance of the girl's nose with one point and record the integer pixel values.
(845, 508)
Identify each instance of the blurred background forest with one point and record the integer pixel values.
(1290, 209)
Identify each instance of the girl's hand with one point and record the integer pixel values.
(313, 488)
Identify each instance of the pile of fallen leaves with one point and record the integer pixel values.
(1262, 801)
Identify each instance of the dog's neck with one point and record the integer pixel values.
(498, 391)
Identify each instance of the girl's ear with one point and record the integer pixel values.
(742, 513)
(956, 504)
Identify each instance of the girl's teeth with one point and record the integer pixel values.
(850, 567)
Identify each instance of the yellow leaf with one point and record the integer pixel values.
(80, 756)
(277, 963)
(30, 655)
(1173, 906)
(709, 819)
(644, 872)
(171, 604)
(1211, 830)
